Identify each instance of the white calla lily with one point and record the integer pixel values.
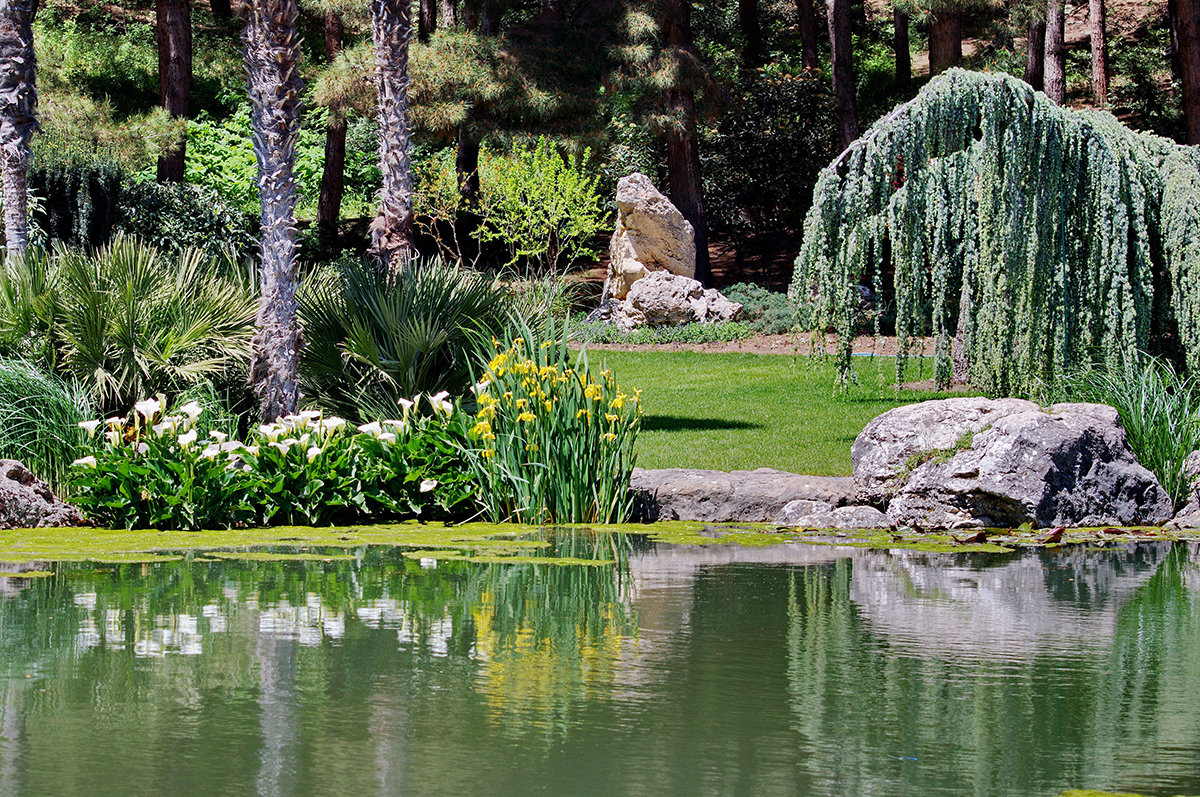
(187, 438)
(85, 462)
(89, 426)
(373, 428)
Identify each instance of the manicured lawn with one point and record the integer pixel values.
(746, 411)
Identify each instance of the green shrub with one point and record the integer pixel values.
(39, 420)
(374, 338)
(174, 217)
(764, 311)
(1159, 409)
(77, 197)
(154, 470)
(554, 440)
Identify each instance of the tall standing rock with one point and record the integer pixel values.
(651, 235)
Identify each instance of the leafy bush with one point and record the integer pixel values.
(176, 216)
(764, 311)
(124, 319)
(39, 420)
(1159, 409)
(543, 207)
(763, 157)
(555, 441)
(77, 197)
(375, 337)
(154, 470)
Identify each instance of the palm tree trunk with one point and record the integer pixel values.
(18, 117)
(809, 47)
(173, 22)
(391, 232)
(1056, 52)
(843, 68)
(900, 44)
(1185, 14)
(945, 41)
(272, 55)
(333, 176)
(1035, 54)
(683, 153)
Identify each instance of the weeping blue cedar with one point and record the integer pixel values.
(1026, 238)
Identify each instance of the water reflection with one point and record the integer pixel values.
(795, 669)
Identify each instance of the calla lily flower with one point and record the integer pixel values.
(89, 426)
(373, 428)
(149, 408)
(187, 438)
(85, 462)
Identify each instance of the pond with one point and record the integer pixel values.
(672, 669)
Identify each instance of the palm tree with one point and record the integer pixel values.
(391, 232)
(272, 56)
(18, 116)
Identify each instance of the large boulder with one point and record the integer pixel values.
(27, 502)
(975, 462)
(666, 300)
(717, 496)
(651, 235)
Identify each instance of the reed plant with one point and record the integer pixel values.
(554, 439)
(1160, 410)
(39, 420)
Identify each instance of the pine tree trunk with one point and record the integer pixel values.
(843, 68)
(1099, 52)
(945, 41)
(18, 117)
(391, 232)
(466, 164)
(448, 14)
(1035, 54)
(173, 20)
(683, 154)
(1056, 52)
(272, 55)
(426, 19)
(333, 176)
(809, 46)
(900, 44)
(221, 9)
(752, 55)
(1186, 17)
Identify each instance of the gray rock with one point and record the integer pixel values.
(800, 514)
(650, 235)
(663, 299)
(27, 502)
(960, 463)
(718, 496)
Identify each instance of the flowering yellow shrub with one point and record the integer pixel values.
(554, 442)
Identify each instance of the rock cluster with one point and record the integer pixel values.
(663, 299)
(717, 496)
(27, 502)
(976, 462)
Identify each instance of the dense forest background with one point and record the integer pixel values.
(731, 106)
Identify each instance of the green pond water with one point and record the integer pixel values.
(618, 666)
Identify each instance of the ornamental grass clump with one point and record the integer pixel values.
(554, 442)
(154, 470)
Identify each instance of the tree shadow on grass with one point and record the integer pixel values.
(678, 423)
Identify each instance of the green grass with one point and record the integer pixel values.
(746, 411)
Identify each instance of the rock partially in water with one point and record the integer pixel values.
(810, 515)
(719, 496)
(28, 502)
(1189, 516)
(959, 463)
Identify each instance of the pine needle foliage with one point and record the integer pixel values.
(1029, 240)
